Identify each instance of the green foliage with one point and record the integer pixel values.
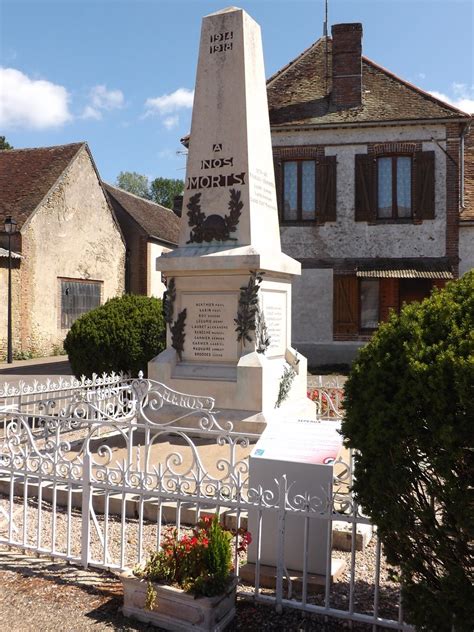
(160, 190)
(4, 144)
(200, 563)
(409, 404)
(216, 561)
(164, 190)
(134, 183)
(121, 335)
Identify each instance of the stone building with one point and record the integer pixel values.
(149, 230)
(69, 250)
(375, 183)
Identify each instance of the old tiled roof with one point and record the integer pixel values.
(298, 94)
(156, 220)
(427, 268)
(27, 175)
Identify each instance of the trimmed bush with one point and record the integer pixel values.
(121, 335)
(409, 406)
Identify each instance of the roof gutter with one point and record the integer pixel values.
(316, 126)
(164, 241)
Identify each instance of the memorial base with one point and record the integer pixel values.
(245, 394)
(268, 576)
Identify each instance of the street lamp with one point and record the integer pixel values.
(10, 228)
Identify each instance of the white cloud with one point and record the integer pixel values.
(171, 121)
(31, 103)
(103, 99)
(167, 103)
(462, 97)
(91, 113)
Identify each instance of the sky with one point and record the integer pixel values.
(120, 74)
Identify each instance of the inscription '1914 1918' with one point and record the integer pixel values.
(221, 42)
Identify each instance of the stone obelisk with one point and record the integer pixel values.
(229, 284)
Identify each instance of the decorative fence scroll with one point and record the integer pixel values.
(95, 471)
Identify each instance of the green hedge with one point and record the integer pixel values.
(121, 335)
(409, 405)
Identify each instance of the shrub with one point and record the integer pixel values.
(200, 563)
(121, 335)
(409, 404)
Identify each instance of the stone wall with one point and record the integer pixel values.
(72, 235)
(321, 247)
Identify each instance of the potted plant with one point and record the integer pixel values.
(188, 584)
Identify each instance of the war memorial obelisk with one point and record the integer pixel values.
(229, 284)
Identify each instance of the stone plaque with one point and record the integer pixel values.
(274, 308)
(210, 335)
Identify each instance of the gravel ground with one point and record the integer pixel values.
(38, 594)
(42, 595)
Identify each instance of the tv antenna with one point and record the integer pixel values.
(326, 51)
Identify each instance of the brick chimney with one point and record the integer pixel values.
(346, 65)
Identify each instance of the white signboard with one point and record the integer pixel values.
(300, 441)
(303, 450)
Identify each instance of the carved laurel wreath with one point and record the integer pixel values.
(250, 316)
(214, 226)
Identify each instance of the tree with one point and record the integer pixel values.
(409, 411)
(134, 183)
(4, 144)
(164, 190)
(121, 335)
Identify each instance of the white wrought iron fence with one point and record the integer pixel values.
(102, 474)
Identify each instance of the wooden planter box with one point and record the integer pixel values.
(176, 610)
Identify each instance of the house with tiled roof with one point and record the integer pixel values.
(149, 230)
(375, 186)
(68, 250)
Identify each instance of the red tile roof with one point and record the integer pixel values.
(27, 175)
(156, 220)
(299, 94)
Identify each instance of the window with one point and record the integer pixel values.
(77, 298)
(360, 304)
(307, 189)
(369, 303)
(299, 190)
(394, 187)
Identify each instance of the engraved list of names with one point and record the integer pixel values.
(209, 331)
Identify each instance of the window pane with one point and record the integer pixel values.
(290, 190)
(404, 186)
(77, 298)
(369, 303)
(384, 166)
(308, 189)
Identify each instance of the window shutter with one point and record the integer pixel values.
(388, 297)
(346, 305)
(278, 183)
(326, 188)
(424, 181)
(365, 188)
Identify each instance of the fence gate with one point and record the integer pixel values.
(96, 471)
